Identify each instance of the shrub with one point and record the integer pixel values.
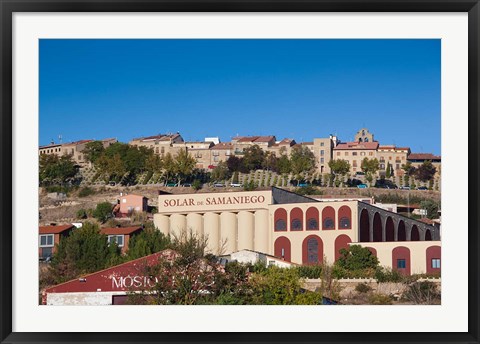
(82, 214)
(356, 257)
(103, 211)
(250, 186)
(363, 288)
(197, 184)
(380, 299)
(148, 176)
(309, 271)
(388, 275)
(422, 293)
(86, 191)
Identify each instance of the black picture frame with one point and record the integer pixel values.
(9, 7)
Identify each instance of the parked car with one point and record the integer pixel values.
(218, 185)
(302, 185)
(186, 185)
(236, 185)
(171, 184)
(385, 184)
(362, 186)
(422, 188)
(405, 187)
(360, 173)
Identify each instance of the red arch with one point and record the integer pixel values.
(414, 234)
(312, 214)
(389, 230)
(305, 250)
(296, 214)
(374, 251)
(433, 252)
(345, 212)
(401, 252)
(364, 226)
(280, 214)
(328, 212)
(283, 244)
(341, 241)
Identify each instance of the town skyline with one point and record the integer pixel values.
(299, 89)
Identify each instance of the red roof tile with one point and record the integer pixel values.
(55, 229)
(423, 156)
(223, 145)
(121, 230)
(356, 145)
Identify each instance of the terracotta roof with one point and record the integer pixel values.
(356, 145)
(50, 145)
(223, 145)
(386, 147)
(423, 156)
(253, 139)
(307, 143)
(121, 230)
(403, 148)
(247, 138)
(265, 138)
(287, 142)
(55, 229)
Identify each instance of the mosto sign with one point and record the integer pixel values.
(214, 201)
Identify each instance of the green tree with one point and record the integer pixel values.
(93, 150)
(112, 168)
(153, 164)
(357, 257)
(389, 170)
(339, 167)
(148, 241)
(235, 164)
(432, 208)
(370, 167)
(425, 171)
(220, 172)
(270, 162)
(302, 161)
(184, 165)
(253, 158)
(409, 170)
(103, 211)
(283, 164)
(56, 170)
(85, 250)
(169, 167)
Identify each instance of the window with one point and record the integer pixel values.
(382, 159)
(389, 158)
(296, 225)
(328, 223)
(370, 153)
(116, 238)
(354, 153)
(280, 225)
(362, 153)
(397, 166)
(46, 240)
(338, 153)
(322, 144)
(346, 153)
(322, 160)
(312, 224)
(162, 150)
(401, 264)
(215, 153)
(366, 139)
(215, 158)
(312, 250)
(382, 166)
(436, 263)
(354, 163)
(344, 222)
(322, 152)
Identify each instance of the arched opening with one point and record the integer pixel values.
(282, 248)
(280, 220)
(389, 230)
(364, 226)
(434, 256)
(377, 228)
(414, 234)
(328, 218)
(401, 260)
(312, 250)
(373, 251)
(428, 235)
(402, 234)
(312, 219)
(341, 241)
(344, 217)
(296, 219)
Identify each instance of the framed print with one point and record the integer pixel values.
(237, 171)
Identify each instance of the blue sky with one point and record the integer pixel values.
(301, 89)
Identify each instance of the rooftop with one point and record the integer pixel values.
(121, 230)
(423, 156)
(54, 229)
(357, 145)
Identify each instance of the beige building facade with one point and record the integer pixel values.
(298, 229)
